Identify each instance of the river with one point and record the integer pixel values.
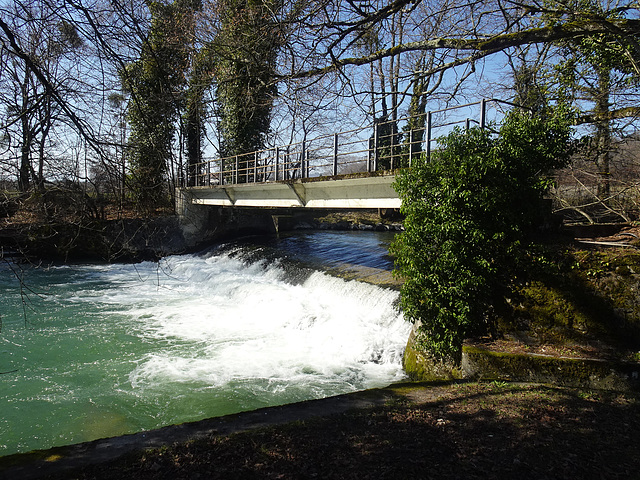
(96, 350)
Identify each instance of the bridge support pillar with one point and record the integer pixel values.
(204, 224)
(193, 218)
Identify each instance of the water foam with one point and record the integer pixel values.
(224, 320)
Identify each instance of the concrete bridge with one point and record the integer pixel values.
(347, 170)
(352, 191)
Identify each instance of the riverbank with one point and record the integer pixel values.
(450, 430)
(127, 237)
(572, 317)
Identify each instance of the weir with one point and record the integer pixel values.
(117, 348)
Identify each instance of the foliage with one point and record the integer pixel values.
(529, 93)
(607, 50)
(246, 51)
(588, 60)
(153, 82)
(468, 212)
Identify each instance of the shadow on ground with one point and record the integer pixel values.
(456, 430)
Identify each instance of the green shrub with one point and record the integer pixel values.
(468, 212)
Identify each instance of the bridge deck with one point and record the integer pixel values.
(367, 190)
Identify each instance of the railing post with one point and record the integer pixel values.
(237, 173)
(375, 148)
(410, 146)
(286, 164)
(483, 112)
(392, 149)
(428, 135)
(255, 167)
(208, 174)
(277, 161)
(221, 180)
(335, 153)
(303, 160)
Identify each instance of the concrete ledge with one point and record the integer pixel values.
(56, 461)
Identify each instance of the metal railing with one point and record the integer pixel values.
(385, 145)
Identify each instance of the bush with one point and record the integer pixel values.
(468, 212)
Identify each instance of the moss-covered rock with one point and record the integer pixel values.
(419, 365)
(587, 297)
(482, 364)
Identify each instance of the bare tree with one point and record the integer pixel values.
(339, 64)
(32, 113)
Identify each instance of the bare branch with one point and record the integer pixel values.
(487, 46)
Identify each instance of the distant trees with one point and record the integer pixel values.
(195, 111)
(208, 78)
(30, 111)
(175, 71)
(384, 89)
(599, 77)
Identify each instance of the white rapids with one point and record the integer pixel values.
(112, 349)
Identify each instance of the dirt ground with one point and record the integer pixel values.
(467, 431)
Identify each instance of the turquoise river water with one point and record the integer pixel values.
(96, 350)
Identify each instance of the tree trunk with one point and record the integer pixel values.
(603, 134)
(41, 152)
(24, 170)
(193, 144)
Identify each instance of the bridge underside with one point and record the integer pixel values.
(349, 192)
